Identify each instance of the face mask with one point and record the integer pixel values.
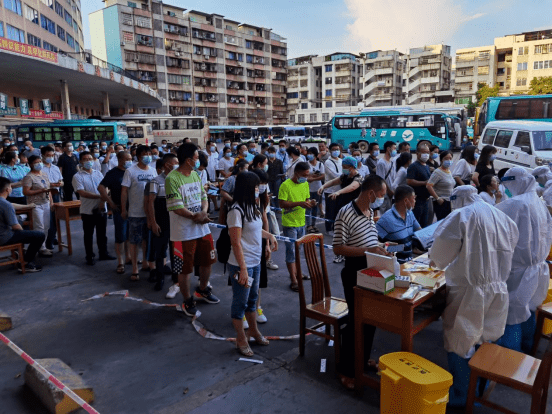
(88, 165)
(128, 164)
(252, 151)
(465, 140)
(358, 158)
(16, 152)
(377, 203)
(213, 149)
(447, 163)
(155, 157)
(493, 191)
(434, 156)
(164, 146)
(492, 158)
(228, 154)
(375, 154)
(38, 167)
(146, 159)
(227, 145)
(256, 194)
(6, 144)
(96, 155)
(265, 168)
(262, 188)
(335, 154)
(196, 165)
(175, 166)
(393, 153)
(310, 157)
(18, 161)
(48, 160)
(27, 147)
(476, 156)
(282, 149)
(235, 147)
(346, 171)
(70, 148)
(271, 155)
(104, 147)
(424, 157)
(301, 180)
(508, 193)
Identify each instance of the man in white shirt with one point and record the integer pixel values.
(133, 185)
(212, 160)
(92, 209)
(385, 168)
(332, 169)
(56, 181)
(109, 161)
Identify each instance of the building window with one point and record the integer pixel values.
(15, 34)
(48, 46)
(328, 68)
(49, 3)
(144, 40)
(70, 41)
(13, 5)
(31, 14)
(68, 18)
(293, 95)
(329, 81)
(328, 104)
(33, 40)
(325, 117)
(538, 49)
(328, 92)
(58, 8)
(178, 79)
(523, 50)
(143, 22)
(77, 47)
(304, 94)
(1, 29)
(126, 19)
(61, 33)
(128, 37)
(301, 119)
(521, 81)
(522, 66)
(304, 106)
(132, 4)
(313, 117)
(292, 118)
(47, 24)
(75, 26)
(483, 70)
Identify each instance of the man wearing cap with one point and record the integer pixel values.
(529, 275)
(476, 241)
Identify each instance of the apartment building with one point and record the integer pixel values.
(383, 78)
(52, 25)
(475, 65)
(203, 64)
(427, 75)
(317, 84)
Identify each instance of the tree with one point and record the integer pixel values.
(484, 91)
(541, 85)
(471, 106)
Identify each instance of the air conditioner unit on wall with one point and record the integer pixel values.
(176, 54)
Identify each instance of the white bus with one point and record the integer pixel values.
(141, 134)
(171, 128)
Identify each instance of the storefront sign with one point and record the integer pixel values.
(28, 50)
(24, 106)
(47, 106)
(9, 111)
(39, 113)
(3, 102)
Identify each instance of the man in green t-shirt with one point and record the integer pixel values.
(294, 200)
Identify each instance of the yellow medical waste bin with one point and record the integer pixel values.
(547, 328)
(411, 384)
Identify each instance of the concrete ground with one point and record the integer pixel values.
(142, 359)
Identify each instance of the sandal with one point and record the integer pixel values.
(121, 269)
(244, 350)
(260, 340)
(347, 382)
(135, 277)
(294, 287)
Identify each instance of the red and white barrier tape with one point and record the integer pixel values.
(198, 326)
(66, 390)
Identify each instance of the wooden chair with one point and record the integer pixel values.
(544, 312)
(329, 311)
(513, 369)
(15, 257)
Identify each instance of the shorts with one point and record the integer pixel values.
(121, 228)
(293, 233)
(137, 229)
(198, 252)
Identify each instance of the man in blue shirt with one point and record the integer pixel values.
(399, 224)
(11, 231)
(282, 154)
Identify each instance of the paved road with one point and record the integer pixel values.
(143, 359)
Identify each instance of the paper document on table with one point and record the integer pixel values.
(425, 235)
(424, 275)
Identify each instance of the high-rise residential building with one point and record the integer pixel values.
(427, 75)
(317, 84)
(48, 24)
(511, 62)
(383, 78)
(203, 64)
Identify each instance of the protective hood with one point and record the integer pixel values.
(542, 175)
(464, 195)
(518, 181)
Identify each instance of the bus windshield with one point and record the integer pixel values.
(542, 140)
(278, 132)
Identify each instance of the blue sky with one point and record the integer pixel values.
(327, 26)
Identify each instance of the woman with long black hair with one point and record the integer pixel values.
(465, 167)
(485, 164)
(245, 227)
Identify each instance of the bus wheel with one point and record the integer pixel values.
(363, 145)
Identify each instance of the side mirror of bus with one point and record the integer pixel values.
(526, 149)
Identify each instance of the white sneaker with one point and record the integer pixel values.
(45, 252)
(173, 290)
(245, 324)
(260, 316)
(271, 265)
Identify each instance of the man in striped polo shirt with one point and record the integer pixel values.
(354, 234)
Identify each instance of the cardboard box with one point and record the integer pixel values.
(378, 280)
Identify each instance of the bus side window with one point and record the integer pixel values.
(488, 138)
(167, 124)
(175, 124)
(155, 125)
(183, 124)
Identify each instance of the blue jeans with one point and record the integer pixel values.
(244, 299)
(121, 228)
(421, 212)
(313, 212)
(293, 233)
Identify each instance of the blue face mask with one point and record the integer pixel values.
(492, 158)
(146, 159)
(282, 150)
(393, 153)
(476, 156)
(228, 154)
(346, 171)
(252, 151)
(38, 167)
(227, 145)
(310, 157)
(447, 163)
(104, 147)
(197, 164)
(88, 165)
(96, 155)
(175, 166)
(213, 149)
(155, 157)
(49, 160)
(335, 154)
(235, 147)
(358, 158)
(377, 203)
(128, 164)
(265, 168)
(301, 180)
(271, 155)
(434, 156)
(257, 194)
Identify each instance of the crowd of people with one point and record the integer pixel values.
(493, 233)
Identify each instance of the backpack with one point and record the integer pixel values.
(223, 244)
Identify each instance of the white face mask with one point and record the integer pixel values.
(424, 157)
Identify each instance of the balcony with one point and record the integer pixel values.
(415, 84)
(431, 79)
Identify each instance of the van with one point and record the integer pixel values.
(525, 144)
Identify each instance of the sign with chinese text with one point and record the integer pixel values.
(47, 106)
(38, 113)
(3, 102)
(28, 50)
(24, 106)
(9, 111)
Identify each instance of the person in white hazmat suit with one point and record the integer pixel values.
(529, 277)
(547, 195)
(476, 241)
(542, 175)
